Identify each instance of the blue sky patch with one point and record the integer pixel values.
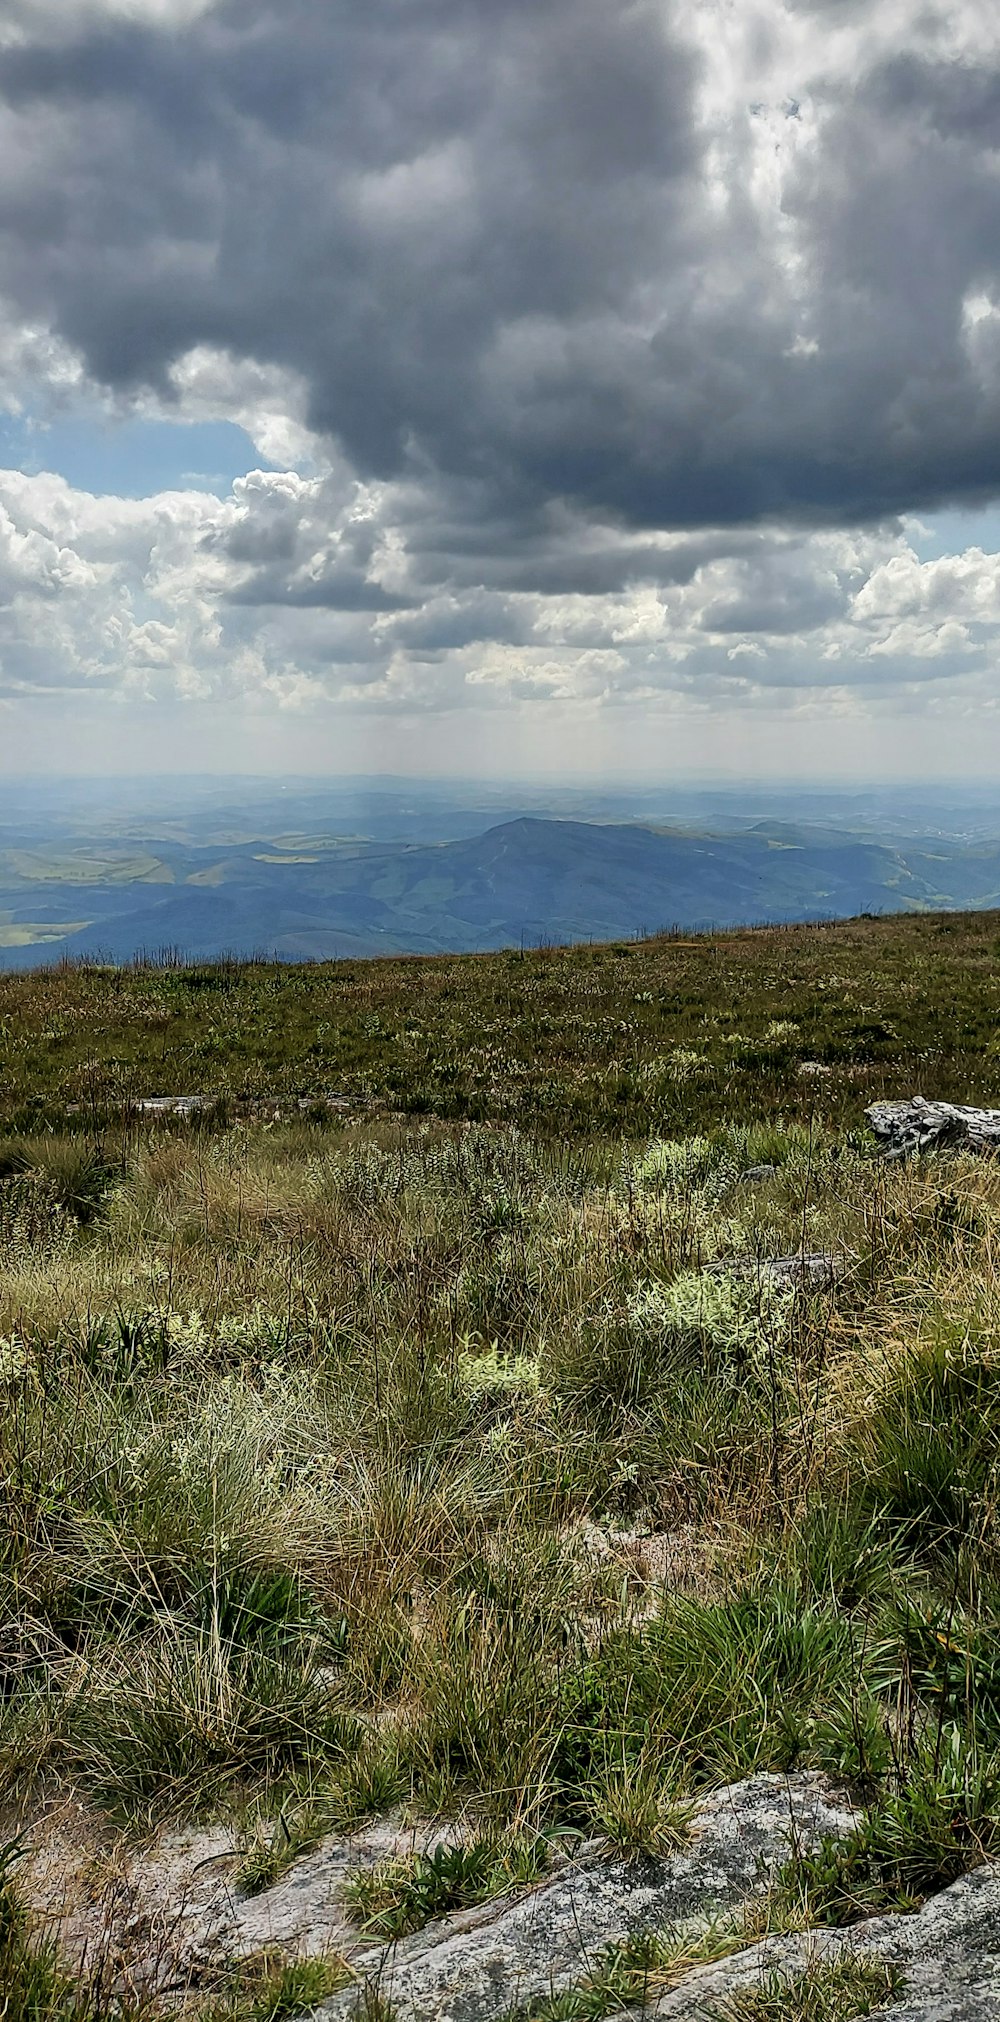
(956, 528)
(132, 458)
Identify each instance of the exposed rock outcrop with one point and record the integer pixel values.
(175, 1915)
(477, 1966)
(948, 1956)
(173, 1105)
(172, 1915)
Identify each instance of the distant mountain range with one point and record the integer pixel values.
(531, 879)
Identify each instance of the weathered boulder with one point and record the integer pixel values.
(807, 1270)
(176, 1915)
(917, 1125)
(947, 1954)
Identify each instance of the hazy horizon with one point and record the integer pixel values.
(738, 787)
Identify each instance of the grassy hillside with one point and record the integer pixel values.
(633, 1037)
(456, 1452)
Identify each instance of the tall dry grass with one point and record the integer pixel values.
(431, 1466)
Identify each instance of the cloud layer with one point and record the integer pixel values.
(306, 589)
(611, 349)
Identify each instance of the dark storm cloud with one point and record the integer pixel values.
(485, 233)
(292, 540)
(335, 591)
(368, 195)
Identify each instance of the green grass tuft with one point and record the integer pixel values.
(402, 1895)
(826, 1991)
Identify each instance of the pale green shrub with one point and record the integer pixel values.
(16, 1360)
(675, 1166)
(681, 1064)
(489, 1373)
(34, 1223)
(726, 1320)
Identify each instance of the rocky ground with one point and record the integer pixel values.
(173, 1919)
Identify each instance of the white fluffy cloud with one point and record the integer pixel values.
(303, 592)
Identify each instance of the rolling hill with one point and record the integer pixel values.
(525, 881)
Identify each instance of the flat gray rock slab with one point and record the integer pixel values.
(475, 1967)
(176, 1913)
(807, 1271)
(804, 1271)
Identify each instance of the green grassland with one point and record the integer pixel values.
(447, 1452)
(85, 866)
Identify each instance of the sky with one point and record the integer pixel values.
(500, 386)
